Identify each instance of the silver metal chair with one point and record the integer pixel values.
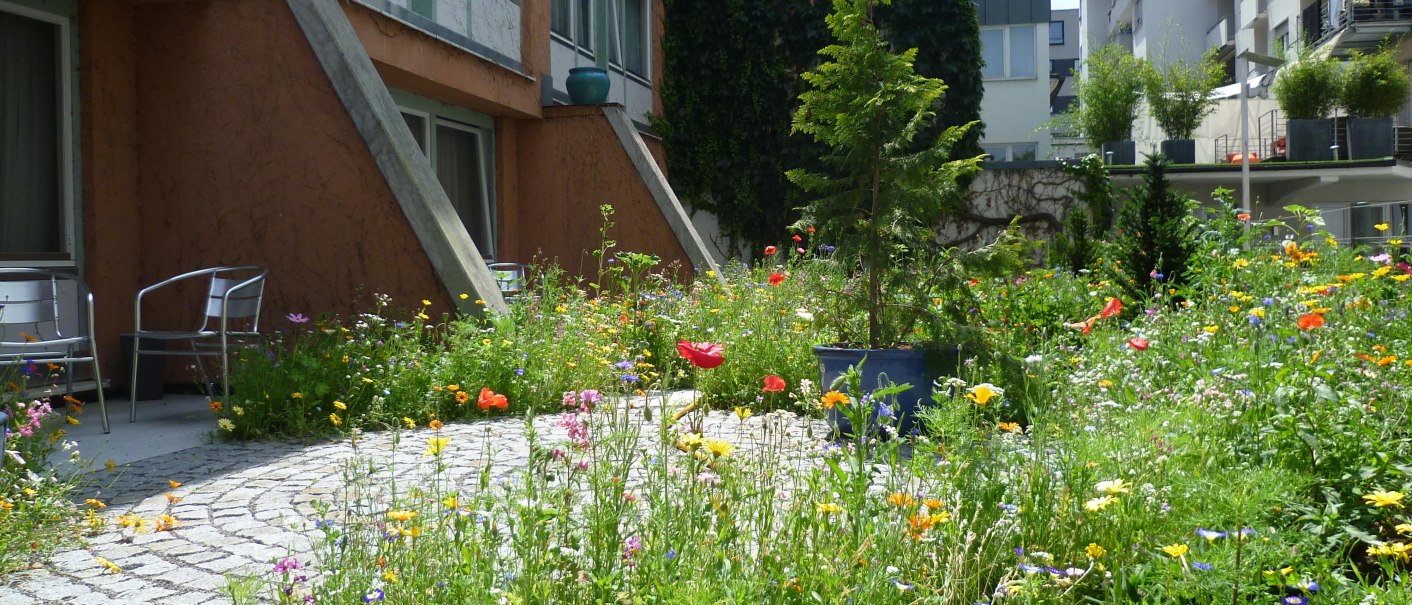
(510, 277)
(231, 311)
(33, 304)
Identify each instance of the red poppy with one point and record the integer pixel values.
(490, 399)
(1139, 344)
(1113, 307)
(811, 230)
(1309, 321)
(1243, 216)
(770, 250)
(776, 278)
(797, 239)
(704, 355)
(773, 384)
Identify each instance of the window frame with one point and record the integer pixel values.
(1062, 33)
(68, 197)
(1005, 42)
(435, 113)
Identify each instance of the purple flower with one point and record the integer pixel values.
(1294, 600)
(298, 318)
(629, 378)
(624, 365)
(287, 565)
(1202, 566)
(1210, 534)
(375, 595)
(519, 371)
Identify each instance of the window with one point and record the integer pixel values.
(1011, 152)
(36, 193)
(585, 22)
(460, 150)
(1009, 52)
(425, 8)
(560, 18)
(1056, 33)
(631, 18)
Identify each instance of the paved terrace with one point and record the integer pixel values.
(245, 505)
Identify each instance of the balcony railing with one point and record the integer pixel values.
(1381, 17)
(1219, 36)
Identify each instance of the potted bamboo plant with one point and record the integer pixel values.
(1107, 97)
(1180, 98)
(1307, 91)
(1374, 90)
(876, 198)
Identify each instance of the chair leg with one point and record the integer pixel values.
(102, 404)
(225, 370)
(132, 384)
(206, 384)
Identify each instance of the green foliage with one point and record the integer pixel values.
(1080, 244)
(37, 512)
(1309, 87)
(875, 196)
(1375, 84)
(732, 78)
(1156, 233)
(1180, 95)
(1107, 96)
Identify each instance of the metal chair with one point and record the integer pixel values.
(232, 293)
(510, 277)
(33, 308)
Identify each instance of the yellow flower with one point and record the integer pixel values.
(932, 503)
(1241, 263)
(689, 441)
(1258, 312)
(225, 424)
(165, 522)
(95, 503)
(1394, 242)
(1009, 427)
(1382, 499)
(426, 303)
(239, 411)
(1094, 551)
(1402, 277)
(402, 515)
(464, 296)
(834, 398)
(409, 423)
(1176, 551)
(453, 387)
(1381, 226)
(1211, 329)
(390, 576)
(108, 565)
(450, 502)
(70, 419)
(1098, 504)
(827, 508)
(743, 412)
(1404, 528)
(436, 444)
(983, 393)
(340, 405)
(1105, 384)
(422, 316)
(1112, 488)
(296, 395)
(435, 424)
(717, 447)
(335, 419)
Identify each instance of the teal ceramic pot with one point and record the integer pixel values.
(588, 85)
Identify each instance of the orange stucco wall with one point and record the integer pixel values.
(572, 163)
(213, 137)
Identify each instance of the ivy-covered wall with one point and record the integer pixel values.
(732, 83)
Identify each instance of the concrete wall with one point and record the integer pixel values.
(571, 163)
(200, 152)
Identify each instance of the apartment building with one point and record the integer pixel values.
(1015, 42)
(351, 147)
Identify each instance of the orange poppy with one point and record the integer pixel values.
(773, 384)
(1309, 321)
(490, 399)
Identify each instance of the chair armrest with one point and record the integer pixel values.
(137, 304)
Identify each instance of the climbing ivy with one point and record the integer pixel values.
(732, 82)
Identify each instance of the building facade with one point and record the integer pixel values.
(351, 147)
(1015, 42)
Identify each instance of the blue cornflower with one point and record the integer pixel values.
(324, 523)
(671, 554)
(1308, 586)
(519, 371)
(629, 378)
(1267, 301)
(1210, 534)
(624, 365)
(1030, 568)
(1201, 566)
(885, 412)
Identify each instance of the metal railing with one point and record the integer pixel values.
(1331, 21)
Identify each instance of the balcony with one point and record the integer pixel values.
(1344, 27)
(489, 29)
(1220, 36)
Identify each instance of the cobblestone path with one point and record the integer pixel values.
(242, 506)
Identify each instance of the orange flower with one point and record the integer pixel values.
(832, 399)
(462, 397)
(216, 407)
(776, 279)
(773, 384)
(435, 425)
(1309, 321)
(901, 499)
(490, 399)
(1243, 216)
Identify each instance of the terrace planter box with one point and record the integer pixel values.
(1124, 153)
(1310, 140)
(1370, 138)
(1180, 151)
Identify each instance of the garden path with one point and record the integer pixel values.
(242, 506)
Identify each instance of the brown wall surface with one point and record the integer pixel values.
(571, 163)
(411, 60)
(244, 156)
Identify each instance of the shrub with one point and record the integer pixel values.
(1156, 233)
(1179, 95)
(1107, 96)
(1309, 87)
(1375, 84)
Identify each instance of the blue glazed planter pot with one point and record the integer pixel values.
(882, 366)
(588, 85)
